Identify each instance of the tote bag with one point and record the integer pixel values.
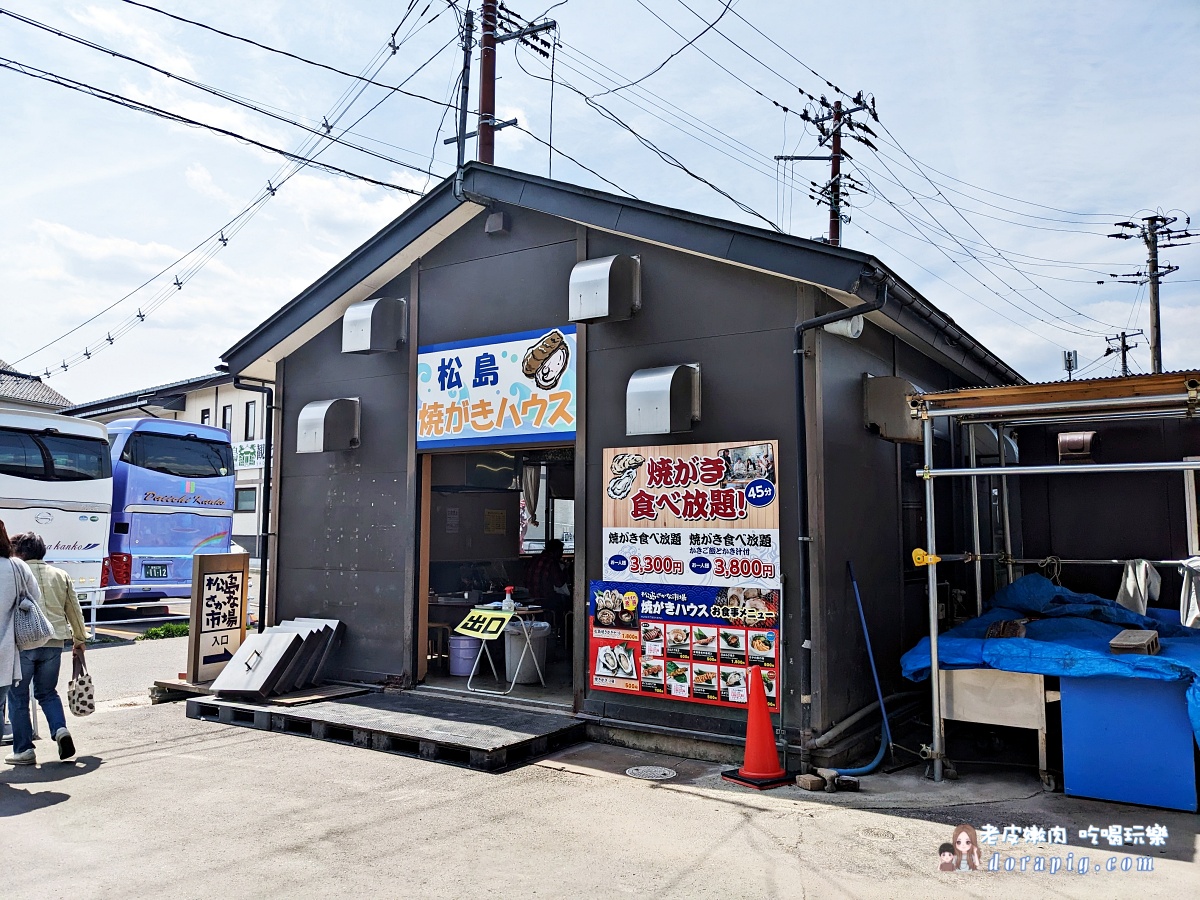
(81, 697)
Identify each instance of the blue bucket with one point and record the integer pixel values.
(463, 651)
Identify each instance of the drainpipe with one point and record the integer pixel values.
(264, 544)
(802, 507)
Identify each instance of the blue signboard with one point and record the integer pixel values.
(504, 389)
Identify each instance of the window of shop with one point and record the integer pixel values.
(251, 420)
(227, 418)
(206, 416)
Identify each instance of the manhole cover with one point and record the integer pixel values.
(877, 834)
(650, 773)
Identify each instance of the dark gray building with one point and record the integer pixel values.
(683, 330)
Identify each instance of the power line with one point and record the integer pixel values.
(216, 92)
(393, 46)
(137, 105)
(1062, 323)
(567, 156)
(662, 64)
(230, 229)
(969, 224)
(951, 284)
(663, 155)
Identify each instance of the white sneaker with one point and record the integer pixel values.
(66, 746)
(24, 758)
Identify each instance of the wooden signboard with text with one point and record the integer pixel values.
(218, 620)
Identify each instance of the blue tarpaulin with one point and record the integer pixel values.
(1068, 635)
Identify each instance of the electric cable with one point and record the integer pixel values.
(711, 25)
(953, 237)
(216, 92)
(567, 156)
(952, 285)
(293, 56)
(232, 227)
(1063, 325)
(138, 106)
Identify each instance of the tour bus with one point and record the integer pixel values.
(172, 498)
(56, 480)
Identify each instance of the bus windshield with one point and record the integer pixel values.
(53, 457)
(185, 457)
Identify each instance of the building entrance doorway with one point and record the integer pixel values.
(493, 520)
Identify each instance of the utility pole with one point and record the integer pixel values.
(487, 82)
(834, 191)
(1123, 348)
(835, 177)
(494, 14)
(1151, 230)
(463, 98)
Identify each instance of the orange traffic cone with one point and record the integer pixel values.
(760, 769)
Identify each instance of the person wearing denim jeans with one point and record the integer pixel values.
(39, 671)
(40, 666)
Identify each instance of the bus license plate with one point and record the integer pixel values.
(154, 570)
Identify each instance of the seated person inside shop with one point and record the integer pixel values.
(546, 581)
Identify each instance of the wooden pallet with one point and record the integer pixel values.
(477, 736)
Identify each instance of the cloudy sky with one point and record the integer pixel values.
(1010, 138)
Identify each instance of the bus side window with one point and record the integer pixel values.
(20, 456)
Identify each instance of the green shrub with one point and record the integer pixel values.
(170, 630)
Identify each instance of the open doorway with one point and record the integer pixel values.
(491, 520)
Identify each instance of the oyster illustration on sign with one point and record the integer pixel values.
(624, 470)
(546, 361)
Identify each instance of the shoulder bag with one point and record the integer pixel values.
(31, 627)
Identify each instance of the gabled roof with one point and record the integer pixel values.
(842, 273)
(22, 388)
(151, 396)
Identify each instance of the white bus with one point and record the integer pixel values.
(56, 479)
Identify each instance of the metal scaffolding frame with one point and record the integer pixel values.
(1097, 400)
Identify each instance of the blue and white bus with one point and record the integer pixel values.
(172, 498)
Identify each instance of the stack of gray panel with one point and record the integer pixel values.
(279, 660)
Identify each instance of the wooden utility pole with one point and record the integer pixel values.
(487, 82)
(832, 192)
(489, 38)
(835, 178)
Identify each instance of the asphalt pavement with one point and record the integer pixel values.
(158, 805)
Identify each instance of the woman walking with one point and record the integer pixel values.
(40, 666)
(14, 574)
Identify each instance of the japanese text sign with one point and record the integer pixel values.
(218, 617)
(249, 455)
(692, 586)
(513, 388)
(485, 624)
(703, 514)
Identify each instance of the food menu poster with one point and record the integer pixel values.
(698, 514)
(683, 642)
